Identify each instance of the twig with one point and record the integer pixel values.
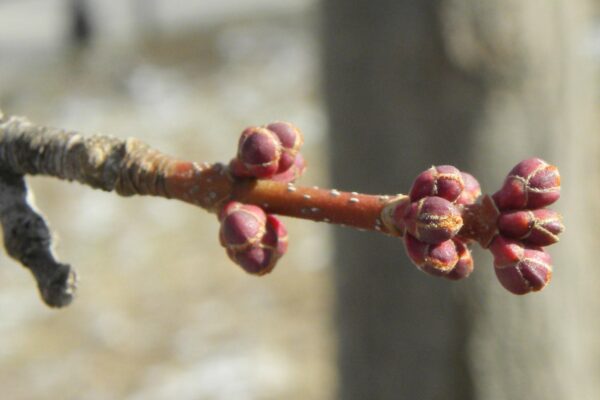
(129, 167)
(27, 239)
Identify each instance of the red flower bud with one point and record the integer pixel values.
(432, 220)
(276, 237)
(260, 259)
(259, 152)
(292, 173)
(530, 184)
(464, 266)
(444, 181)
(255, 260)
(538, 227)
(471, 192)
(291, 140)
(435, 259)
(242, 225)
(253, 240)
(520, 269)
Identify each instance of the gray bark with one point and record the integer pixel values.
(480, 85)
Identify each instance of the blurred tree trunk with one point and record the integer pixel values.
(481, 85)
(81, 29)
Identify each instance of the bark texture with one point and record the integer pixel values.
(479, 85)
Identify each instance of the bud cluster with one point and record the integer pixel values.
(431, 219)
(269, 152)
(525, 226)
(252, 238)
(513, 222)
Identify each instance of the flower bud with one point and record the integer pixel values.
(292, 173)
(530, 184)
(276, 237)
(255, 260)
(471, 191)
(242, 225)
(435, 259)
(291, 140)
(444, 181)
(432, 220)
(538, 227)
(520, 269)
(464, 266)
(259, 152)
(253, 240)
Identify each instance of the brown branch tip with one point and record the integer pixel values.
(443, 213)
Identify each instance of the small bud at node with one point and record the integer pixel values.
(435, 259)
(259, 151)
(464, 266)
(471, 192)
(242, 225)
(432, 220)
(538, 227)
(255, 260)
(291, 140)
(531, 184)
(444, 181)
(252, 239)
(520, 269)
(276, 237)
(292, 173)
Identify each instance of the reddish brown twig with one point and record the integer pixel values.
(210, 185)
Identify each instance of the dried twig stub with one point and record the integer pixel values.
(27, 239)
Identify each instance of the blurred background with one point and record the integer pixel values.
(382, 90)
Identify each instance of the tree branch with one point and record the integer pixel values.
(130, 167)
